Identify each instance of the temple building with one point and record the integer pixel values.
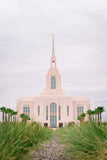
(53, 107)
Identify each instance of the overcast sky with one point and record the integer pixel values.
(80, 28)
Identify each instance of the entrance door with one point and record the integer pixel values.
(53, 115)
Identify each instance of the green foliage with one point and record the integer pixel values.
(16, 139)
(24, 117)
(81, 117)
(85, 142)
(7, 112)
(70, 124)
(3, 109)
(104, 124)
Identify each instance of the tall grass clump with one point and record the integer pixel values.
(17, 139)
(85, 142)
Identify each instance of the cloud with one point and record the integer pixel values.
(80, 46)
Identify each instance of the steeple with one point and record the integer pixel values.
(53, 43)
(53, 58)
(53, 77)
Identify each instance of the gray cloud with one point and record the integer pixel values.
(80, 46)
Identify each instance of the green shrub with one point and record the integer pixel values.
(85, 142)
(17, 139)
(70, 124)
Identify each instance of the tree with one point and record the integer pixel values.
(89, 112)
(101, 109)
(8, 111)
(14, 116)
(24, 117)
(93, 113)
(3, 109)
(11, 114)
(96, 113)
(81, 117)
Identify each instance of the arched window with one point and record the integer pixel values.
(26, 110)
(53, 82)
(80, 110)
(53, 115)
(46, 112)
(67, 110)
(59, 113)
(38, 110)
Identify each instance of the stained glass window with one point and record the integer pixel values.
(59, 113)
(80, 110)
(26, 110)
(38, 110)
(67, 110)
(53, 82)
(46, 112)
(53, 115)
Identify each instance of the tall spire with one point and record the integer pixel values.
(53, 58)
(53, 42)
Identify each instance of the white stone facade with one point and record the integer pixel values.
(53, 107)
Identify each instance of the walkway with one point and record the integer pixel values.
(52, 150)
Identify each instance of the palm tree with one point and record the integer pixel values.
(14, 116)
(6, 111)
(11, 114)
(89, 112)
(24, 117)
(93, 113)
(3, 109)
(101, 109)
(81, 117)
(96, 113)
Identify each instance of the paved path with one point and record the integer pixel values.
(52, 150)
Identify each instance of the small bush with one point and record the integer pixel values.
(70, 124)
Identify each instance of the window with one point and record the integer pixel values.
(80, 110)
(67, 110)
(38, 110)
(46, 112)
(53, 82)
(53, 115)
(59, 113)
(26, 110)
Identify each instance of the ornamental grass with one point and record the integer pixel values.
(85, 142)
(17, 139)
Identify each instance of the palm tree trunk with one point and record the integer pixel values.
(89, 117)
(11, 118)
(95, 117)
(3, 117)
(15, 118)
(100, 118)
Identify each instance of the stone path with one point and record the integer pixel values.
(52, 150)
